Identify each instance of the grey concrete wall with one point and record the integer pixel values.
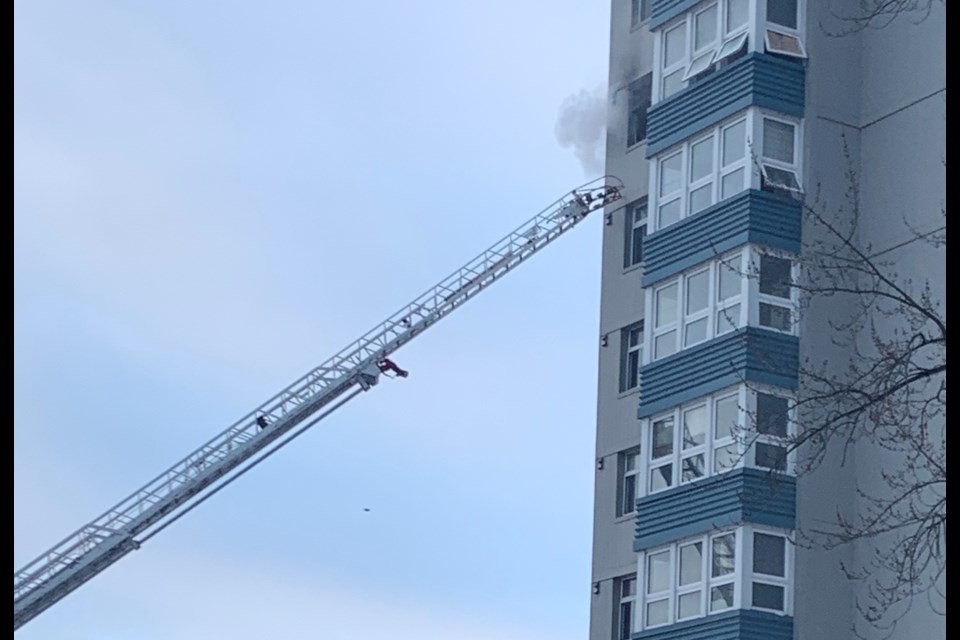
(621, 304)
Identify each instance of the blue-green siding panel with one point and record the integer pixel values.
(750, 354)
(752, 216)
(662, 11)
(736, 624)
(742, 495)
(758, 79)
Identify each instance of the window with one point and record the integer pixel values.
(745, 567)
(707, 441)
(661, 454)
(687, 311)
(776, 293)
(635, 232)
(702, 172)
(773, 428)
(780, 164)
(769, 586)
(626, 589)
(783, 13)
(628, 468)
(631, 356)
(639, 102)
(699, 42)
(785, 44)
(639, 12)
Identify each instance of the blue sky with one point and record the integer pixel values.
(209, 199)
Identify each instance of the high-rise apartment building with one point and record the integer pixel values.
(728, 118)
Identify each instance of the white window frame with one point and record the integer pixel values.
(797, 32)
(742, 577)
(708, 448)
(737, 261)
(784, 32)
(626, 475)
(654, 464)
(635, 224)
(751, 406)
(794, 167)
(786, 581)
(626, 350)
(790, 303)
(708, 51)
(658, 200)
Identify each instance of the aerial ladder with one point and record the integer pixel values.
(228, 455)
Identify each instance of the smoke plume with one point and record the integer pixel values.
(582, 124)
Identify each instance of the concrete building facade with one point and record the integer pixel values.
(728, 117)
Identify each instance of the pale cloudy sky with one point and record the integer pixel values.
(210, 198)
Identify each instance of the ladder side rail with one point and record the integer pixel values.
(305, 396)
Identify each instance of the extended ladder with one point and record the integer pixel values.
(95, 546)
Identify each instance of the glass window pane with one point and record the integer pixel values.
(723, 557)
(692, 468)
(769, 555)
(701, 159)
(661, 477)
(674, 45)
(695, 332)
(767, 596)
(626, 620)
(658, 572)
(630, 460)
(775, 279)
(730, 278)
(629, 495)
(770, 456)
(731, 184)
(665, 344)
(705, 29)
(694, 427)
(636, 246)
(662, 438)
(699, 64)
(782, 43)
(691, 563)
(778, 141)
(698, 292)
(734, 143)
(727, 416)
(670, 174)
(628, 587)
(701, 198)
(635, 336)
(737, 13)
(633, 369)
(688, 605)
(667, 305)
(669, 213)
(731, 47)
(780, 178)
(721, 597)
(775, 317)
(782, 12)
(772, 415)
(672, 83)
(725, 458)
(728, 319)
(658, 613)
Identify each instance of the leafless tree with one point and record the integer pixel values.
(888, 394)
(877, 14)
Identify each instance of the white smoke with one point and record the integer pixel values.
(582, 125)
